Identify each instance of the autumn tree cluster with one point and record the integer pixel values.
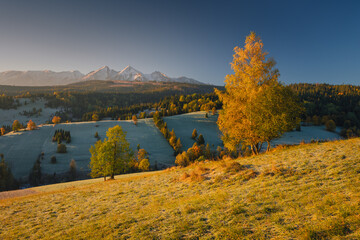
(141, 162)
(256, 107)
(197, 153)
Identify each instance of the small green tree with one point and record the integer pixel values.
(7, 180)
(144, 165)
(201, 140)
(182, 159)
(330, 125)
(194, 134)
(111, 156)
(72, 169)
(142, 154)
(95, 117)
(61, 148)
(53, 159)
(178, 146)
(143, 160)
(16, 125)
(35, 174)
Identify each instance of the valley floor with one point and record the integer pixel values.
(310, 191)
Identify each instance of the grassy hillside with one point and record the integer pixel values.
(309, 191)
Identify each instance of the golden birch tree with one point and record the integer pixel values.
(255, 104)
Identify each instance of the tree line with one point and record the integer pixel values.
(324, 102)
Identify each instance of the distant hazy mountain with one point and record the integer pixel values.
(50, 78)
(39, 78)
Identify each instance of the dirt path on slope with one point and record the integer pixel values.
(16, 193)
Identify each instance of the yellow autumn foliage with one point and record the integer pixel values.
(256, 107)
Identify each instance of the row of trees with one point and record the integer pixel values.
(16, 126)
(31, 125)
(116, 103)
(167, 106)
(8, 102)
(170, 136)
(33, 112)
(324, 102)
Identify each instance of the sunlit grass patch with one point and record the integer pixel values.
(303, 192)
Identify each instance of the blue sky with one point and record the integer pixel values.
(312, 41)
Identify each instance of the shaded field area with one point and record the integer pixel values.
(23, 148)
(310, 191)
(8, 116)
(184, 124)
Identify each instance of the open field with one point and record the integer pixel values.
(8, 116)
(22, 149)
(310, 191)
(184, 124)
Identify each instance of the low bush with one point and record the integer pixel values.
(61, 148)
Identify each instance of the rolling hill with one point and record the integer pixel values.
(111, 86)
(310, 191)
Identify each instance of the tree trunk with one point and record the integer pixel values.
(112, 176)
(268, 146)
(260, 147)
(254, 149)
(104, 178)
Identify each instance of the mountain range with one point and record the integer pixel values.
(50, 78)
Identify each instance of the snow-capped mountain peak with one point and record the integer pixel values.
(51, 78)
(130, 74)
(102, 73)
(158, 76)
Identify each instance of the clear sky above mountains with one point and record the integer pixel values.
(312, 41)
